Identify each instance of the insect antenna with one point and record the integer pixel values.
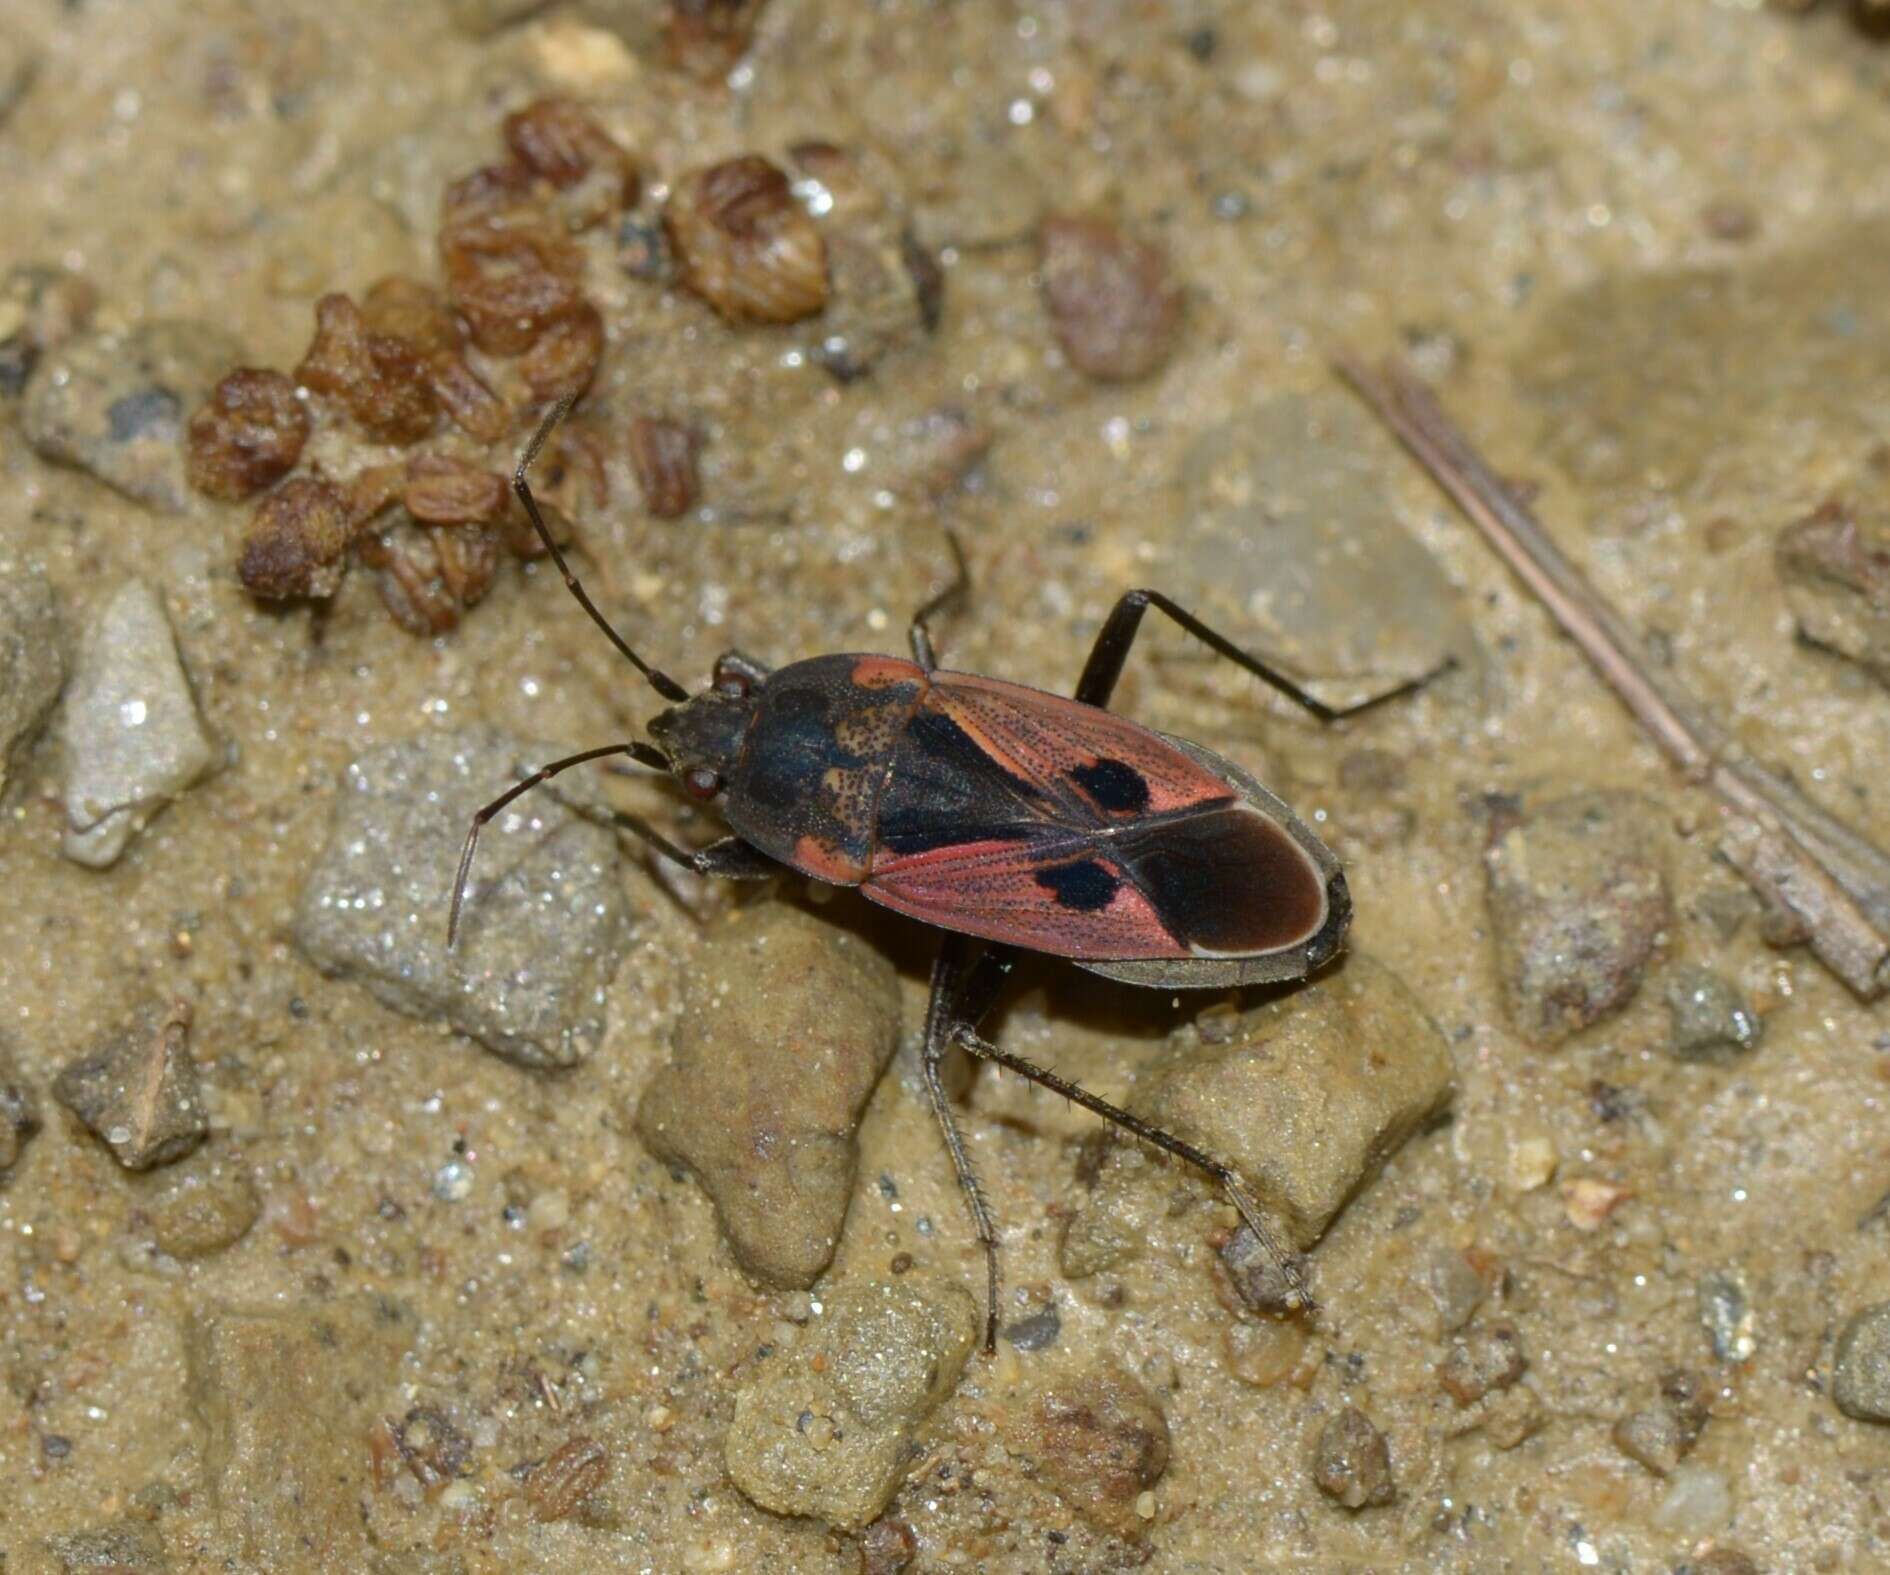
(659, 680)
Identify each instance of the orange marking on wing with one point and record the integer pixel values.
(882, 672)
(822, 860)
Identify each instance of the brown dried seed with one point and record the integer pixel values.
(556, 140)
(707, 37)
(430, 575)
(371, 492)
(569, 479)
(563, 359)
(442, 490)
(246, 436)
(512, 279)
(565, 1478)
(745, 245)
(1114, 306)
(403, 308)
(492, 188)
(377, 378)
(297, 542)
(468, 399)
(663, 454)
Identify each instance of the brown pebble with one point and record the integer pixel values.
(1352, 1462)
(564, 1479)
(203, 1210)
(1487, 1357)
(137, 1090)
(297, 542)
(1726, 1561)
(663, 455)
(887, 1547)
(377, 378)
(1100, 1441)
(1729, 219)
(744, 244)
(1114, 306)
(246, 436)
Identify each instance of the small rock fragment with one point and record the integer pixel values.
(1352, 1462)
(1578, 904)
(1721, 1561)
(1100, 1441)
(137, 1090)
(32, 664)
(114, 404)
(1306, 1096)
(543, 927)
(40, 306)
(1114, 305)
(1860, 1380)
(1835, 568)
(787, 1023)
(203, 1209)
(133, 738)
(1589, 1200)
(434, 1451)
(1486, 1358)
(1726, 1315)
(822, 1428)
(1038, 1332)
(1711, 1020)
(1512, 1416)
(887, 1547)
(1697, 1503)
(1456, 1287)
(744, 244)
(19, 1109)
(285, 1400)
(126, 1547)
(1661, 1436)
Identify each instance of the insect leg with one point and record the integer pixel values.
(1112, 645)
(730, 858)
(964, 985)
(660, 681)
(1230, 1182)
(919, 633)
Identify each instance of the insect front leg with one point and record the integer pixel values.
(1229, 1179)
(965, 983)
(920, 631)
(1111, 651)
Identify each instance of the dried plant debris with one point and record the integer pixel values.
(246, 436)
(663, 456)
(1835, 568)
(745, 244)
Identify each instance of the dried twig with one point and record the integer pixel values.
(1831, 880)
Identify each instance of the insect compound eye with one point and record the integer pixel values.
(701, 782)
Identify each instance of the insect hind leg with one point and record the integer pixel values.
(1111, 651)
(920, 632)
(1225, 1174)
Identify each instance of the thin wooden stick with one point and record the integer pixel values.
(1831, 879)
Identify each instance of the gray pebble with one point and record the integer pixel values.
(787, 1023)
(114, 404)
(137, 1090)
(126, 1547)
(1306, 1096)
(1038, 1332)
(202, 1209)
(1577, 905)
(1860, 1380)
(822, 1429)
(1711, 1020)
(1660, 1436)
(32, 665)
(545, 920)
(1456, 1288)
(1726, 1315)
(1352, 1462)
(19, 1109)
(1292, 537)
(133, 738)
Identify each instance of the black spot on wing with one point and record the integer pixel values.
(1226, 880)
(1087, 886)
(1115, 785)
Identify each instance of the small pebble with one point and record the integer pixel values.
(133, 738)
(203, 1210)
(1352, 1462)
(127, 1547)
(1100, 1441)
(1532, 1162)
(1860, 1380)
(32, 661)
(453, 1181)
(1697, 1503)
(1661, 1436)
(1711, 1020)
(1456, 1287)
(1726, 1315)
(1486, 1358)
(137, 1090)
(1038, 1332)
(887, 1547)
(114, 405)
(1114, 305)
(1588, 1201)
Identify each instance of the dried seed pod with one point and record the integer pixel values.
(441, 490)
(558, 142)
(512, 278)
(745, 245)
(707, 37)
(565, 1478)
(468, 399)
(298, 542)
(563, 359)
(663, 454)
(490, 189)
(1114, 306)
(418, 314)
(372, 492)
(430, 575)
(246, 436)
(377, 378)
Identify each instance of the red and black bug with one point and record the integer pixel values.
(1006, 816)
